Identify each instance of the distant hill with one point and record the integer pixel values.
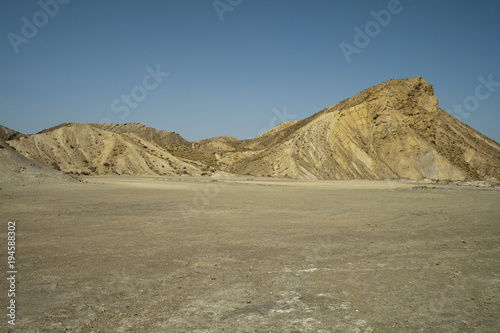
(161, 138)
(392, 130)
(89, 149)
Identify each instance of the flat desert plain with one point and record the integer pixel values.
(151, 254)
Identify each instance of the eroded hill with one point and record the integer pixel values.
(88, 149)
(8, 134)
(392, 130)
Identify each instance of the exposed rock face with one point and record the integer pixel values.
(8, 134)
(88, 149)
(393, 130)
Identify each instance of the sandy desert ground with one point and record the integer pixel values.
(151, 254)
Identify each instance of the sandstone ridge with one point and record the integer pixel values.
(389, 131)
(88, 149)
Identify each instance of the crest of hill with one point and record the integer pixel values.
(8, 134)
(278, 128)
(162, 138)
(223, 139)
(393, 130)
(206, 151)
(270, 137)
(87, 149)
(400, 89)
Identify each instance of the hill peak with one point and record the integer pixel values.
(394, 129)
(162, 138)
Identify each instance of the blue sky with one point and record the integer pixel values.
(242, 67)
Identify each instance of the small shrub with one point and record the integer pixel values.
(56, 166)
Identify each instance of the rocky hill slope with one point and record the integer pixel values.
(16, 168)
(392, 130)
(8, 134)
(89, 149)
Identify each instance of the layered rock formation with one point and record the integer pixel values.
(392, 130)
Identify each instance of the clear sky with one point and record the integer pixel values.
(230, 67)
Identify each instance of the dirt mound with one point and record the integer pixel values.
(17, 168)
(87, 149)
